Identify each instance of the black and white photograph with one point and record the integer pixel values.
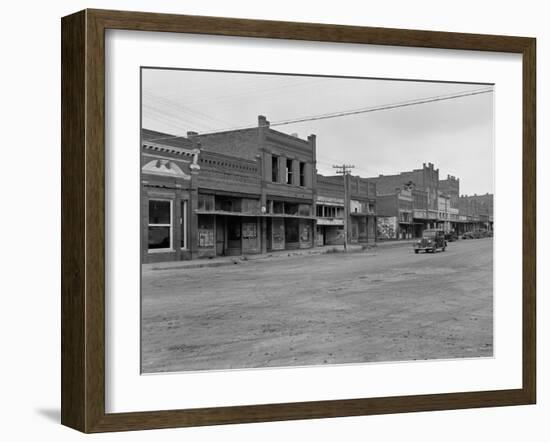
(306, 220)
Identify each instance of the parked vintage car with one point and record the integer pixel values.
(451, 236)
(477, 234)
(432, 239)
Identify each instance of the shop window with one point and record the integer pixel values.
(224, 204)
(275, 169)
(278, 207)
(160, 225)
(206, 202)
(183, 224)
(249, 205)
(305, 235)
(288, 171)
(205, 231)
(302, 174)
(304, 210)
(291, 209)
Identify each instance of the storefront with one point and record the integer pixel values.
(330, 232)
(288, 233)
(289, 225)
(227, 225)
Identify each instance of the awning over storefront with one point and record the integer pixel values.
(330, 222)
(262, 215)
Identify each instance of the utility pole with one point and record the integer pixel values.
(344, 169)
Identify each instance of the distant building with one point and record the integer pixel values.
(423, 186)
(451, 187)
(395, 214)
(477, 211)
(435, 204)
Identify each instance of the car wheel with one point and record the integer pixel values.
(416, 251)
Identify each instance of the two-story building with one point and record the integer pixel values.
(424, 185)
(226, 193)
(331, 210)
(395, 214)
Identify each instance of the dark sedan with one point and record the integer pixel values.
(432, 239)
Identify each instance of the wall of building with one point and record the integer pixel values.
(166, 177)
(451, 187)
(229, 174)
(361, 206)
(425, 179)
(386, 205)
(238, 143)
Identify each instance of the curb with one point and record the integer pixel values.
(290, 254)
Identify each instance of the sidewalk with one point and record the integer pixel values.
(279, 254)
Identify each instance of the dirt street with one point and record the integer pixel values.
(385, 305)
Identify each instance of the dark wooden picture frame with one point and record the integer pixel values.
(83, 220)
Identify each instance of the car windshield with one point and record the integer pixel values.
(429, 235)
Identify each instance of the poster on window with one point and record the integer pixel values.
(304, 235)
(249, 230)
(206, 238)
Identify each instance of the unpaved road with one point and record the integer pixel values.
(388, 305)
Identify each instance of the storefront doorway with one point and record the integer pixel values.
(234, 234)
(220, 235)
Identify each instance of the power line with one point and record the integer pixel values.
(256, 91)
(165, 102)
(390, 106)
(383, 107)
(150, 110)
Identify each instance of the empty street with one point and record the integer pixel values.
(383, 304)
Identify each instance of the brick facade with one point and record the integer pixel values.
(256, 190)
(229, 193)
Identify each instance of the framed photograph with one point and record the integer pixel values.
(267, 221)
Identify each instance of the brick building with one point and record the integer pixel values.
(451, 187)
(395, 214)
(423, 185)
(477, 211)
(330, 210)
(256, 190)
(228, 193)
(435, 204)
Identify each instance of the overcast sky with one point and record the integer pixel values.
(456, 135)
